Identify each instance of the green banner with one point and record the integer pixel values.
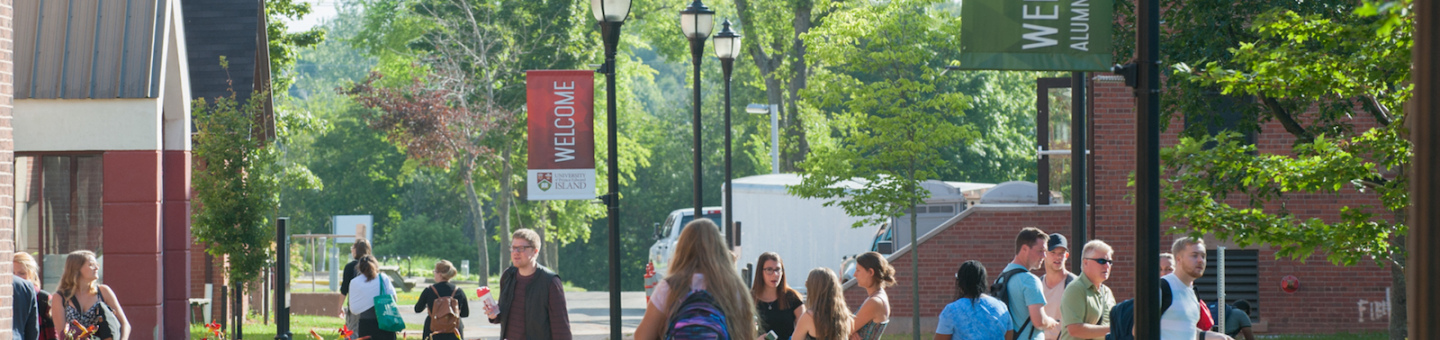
(1039, 35)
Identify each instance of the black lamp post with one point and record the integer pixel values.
(611, 14)
(696, 22)
(727, 46)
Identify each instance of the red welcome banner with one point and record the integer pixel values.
(560, 107)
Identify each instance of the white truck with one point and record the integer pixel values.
(666, 234)
(803, 231)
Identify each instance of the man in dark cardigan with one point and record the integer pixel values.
(532, 299)
(25, 311)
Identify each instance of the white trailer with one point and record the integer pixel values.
(804, 232)
(807, 234)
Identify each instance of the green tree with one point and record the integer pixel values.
(283, 44)
(238, 176)
(891, 119)
(1313, 73)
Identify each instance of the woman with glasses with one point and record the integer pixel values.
(974, 314)
(776, 303)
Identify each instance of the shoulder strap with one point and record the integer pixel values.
(1005, 281)
(1167, 297)
(1068, 279)
(455, 291)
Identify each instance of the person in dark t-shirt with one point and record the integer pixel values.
(777, 304)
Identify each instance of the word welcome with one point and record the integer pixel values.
(1042, 22)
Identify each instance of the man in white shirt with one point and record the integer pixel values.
(1178, 322)
(1057, 277)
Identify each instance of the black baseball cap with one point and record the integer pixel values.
(1056, 241)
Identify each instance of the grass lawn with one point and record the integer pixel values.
(1336, 336)
(326, 326)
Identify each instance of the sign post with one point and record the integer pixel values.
(561, 111)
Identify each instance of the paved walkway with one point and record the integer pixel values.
(589, 316)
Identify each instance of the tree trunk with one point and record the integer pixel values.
(479, 222)
(794, 125)
(791, 126)
(506, 195)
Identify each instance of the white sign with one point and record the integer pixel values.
(349, 224)
(560, 184)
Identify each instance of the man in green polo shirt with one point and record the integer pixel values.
(1085, 309)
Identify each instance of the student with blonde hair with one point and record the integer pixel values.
(444, 271)
(701, 266)
(28, 299)
(827, 316)
(86, 302)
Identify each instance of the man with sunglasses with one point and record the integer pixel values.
(1085, 309)
(532, 299)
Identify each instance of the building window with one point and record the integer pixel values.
(1242, 278)
(58, 201)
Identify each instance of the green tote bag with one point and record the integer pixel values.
(386, 311)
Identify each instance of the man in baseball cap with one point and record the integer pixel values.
(1057, 277)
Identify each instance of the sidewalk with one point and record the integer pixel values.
(589, 316)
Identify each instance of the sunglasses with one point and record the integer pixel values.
(1103, 262)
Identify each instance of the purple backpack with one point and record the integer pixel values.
(697, 319)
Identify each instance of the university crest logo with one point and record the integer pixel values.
(543, 180)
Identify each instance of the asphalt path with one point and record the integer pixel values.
(589, 316)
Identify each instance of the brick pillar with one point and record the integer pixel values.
(177, 242)
(132, 241)
(7, 160)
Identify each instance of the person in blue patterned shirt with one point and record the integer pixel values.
(974, 314)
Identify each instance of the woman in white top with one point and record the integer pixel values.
(363, 290)
(701, 262)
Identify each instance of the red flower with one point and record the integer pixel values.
(345, 332)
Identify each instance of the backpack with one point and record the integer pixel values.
(1000, 291)
(1122, 316)
(445, 313)
(698, 318)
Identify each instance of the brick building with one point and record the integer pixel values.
(1330, 298)
(7, 160)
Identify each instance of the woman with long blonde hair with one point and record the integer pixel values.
(82, 297)
(826, 316)
(701, 263)
(24, 266)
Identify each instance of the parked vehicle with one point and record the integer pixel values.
(666, 234)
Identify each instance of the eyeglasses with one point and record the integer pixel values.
(771, 270)
(1102, 261)
(521, 248)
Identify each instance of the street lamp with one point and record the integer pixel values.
(774, 111)
(727, 46)
(696, 22)
(611, 14)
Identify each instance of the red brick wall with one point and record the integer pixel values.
(1330, 299)
(986, 234)
(1329, 295)
(7, 161)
